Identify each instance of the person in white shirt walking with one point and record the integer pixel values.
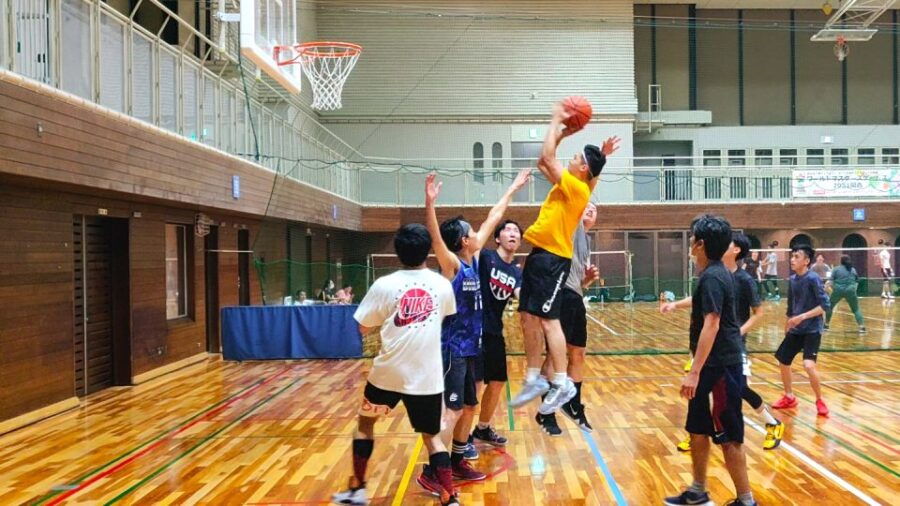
(887, 270)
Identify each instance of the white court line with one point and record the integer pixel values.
(818, 467)
(602, 324)
(867, 317)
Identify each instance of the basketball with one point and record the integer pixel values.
(579, 110)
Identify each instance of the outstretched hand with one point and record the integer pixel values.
(432, 189)
(522, 179)
(611, 145)
(560, 115)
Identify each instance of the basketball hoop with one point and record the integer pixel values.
(326, 66)
(841, 48)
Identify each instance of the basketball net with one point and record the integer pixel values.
(841, 48)
(326, 65)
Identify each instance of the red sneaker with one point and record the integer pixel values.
(785, 402)
(429, 482)
(465, 472)
(821, 408)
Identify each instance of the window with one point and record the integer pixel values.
(478, 161)
(737, 158)
(840, 156)
(497, 161)
(815, 157)
(787, 157)
(763, 157)
(765, 189)
(712, 187)
(865, 156)
(712, 158)
(890, 156)
(176, 271)
(738, 187)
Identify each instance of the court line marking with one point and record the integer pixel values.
(509, 409)
(602, 325)
(613, 486)
(407, 473)
(153, 443)
(867, 317)
(203, 441)
(818, 467)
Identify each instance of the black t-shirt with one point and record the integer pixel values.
(746, 295)
(499, 281)
(715, 293)
(752, 267)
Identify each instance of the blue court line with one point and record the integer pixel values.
(613, 486)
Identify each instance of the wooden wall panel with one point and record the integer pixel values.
(767, 68)
(83, 144)
(663, 217)
(717, 65)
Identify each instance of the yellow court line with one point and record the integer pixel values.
(407, 473)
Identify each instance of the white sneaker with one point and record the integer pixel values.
(530, 390)
(351, 496)
(556, 397)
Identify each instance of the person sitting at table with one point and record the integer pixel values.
(344, 295)
(326, 295)
(301, 300)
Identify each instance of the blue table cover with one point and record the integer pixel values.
(281, 332)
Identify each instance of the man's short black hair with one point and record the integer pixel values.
(806, 249)
(412, 244)
(715, 232)
(743, 242)
(452, 232)
(503, 225)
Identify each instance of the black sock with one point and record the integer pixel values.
(459, 447)
(362, 450)
(577, 398)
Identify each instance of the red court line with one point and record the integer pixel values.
(81, 486)
(864, 435)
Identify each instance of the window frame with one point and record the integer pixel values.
(184, 284)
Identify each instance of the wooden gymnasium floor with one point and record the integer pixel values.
(279, 432)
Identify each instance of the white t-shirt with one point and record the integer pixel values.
(410, 306)
(772, 264)
(885, 257)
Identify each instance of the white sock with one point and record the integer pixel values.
(769, 419)
(532, 373)
(482, 425)
(559, 378)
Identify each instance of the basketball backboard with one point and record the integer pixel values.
(266, 24)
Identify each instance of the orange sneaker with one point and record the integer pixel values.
(785, 402)
(821, 408)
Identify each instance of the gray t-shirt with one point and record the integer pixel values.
(822, 270)
(772, 264)
(581, 257)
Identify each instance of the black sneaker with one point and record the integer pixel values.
(489, 436)
(863, 331)
(690, 498)
(737, 502)
(575, 412)
(548, 424)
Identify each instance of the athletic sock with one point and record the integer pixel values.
(362, 450)
(764, 412)
(484, 425)
(559, 379)
(746, 499)
(440, 465)
(459, 448)
(532, 373)
(697, 487)
(577, 399)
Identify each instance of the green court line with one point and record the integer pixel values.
(92, 472)
(845, 418)
(203, 441)
(509, 409)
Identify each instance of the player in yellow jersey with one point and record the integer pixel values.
(547, 267)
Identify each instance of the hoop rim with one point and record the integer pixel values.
(313, 50)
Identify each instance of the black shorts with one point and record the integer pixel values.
(720, 418)
(793, 343)
(543, 278)
(479, 366)
(423, 411)
(573, 318)
(459, 382)
(494, 349)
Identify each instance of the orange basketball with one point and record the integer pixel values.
(579, 110)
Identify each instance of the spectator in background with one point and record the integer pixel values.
(771, 273)
(327, 293)
(302, 300)
(344, 295)
(751, 265)
(821, 268)
(845, 282)
(887, 270)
